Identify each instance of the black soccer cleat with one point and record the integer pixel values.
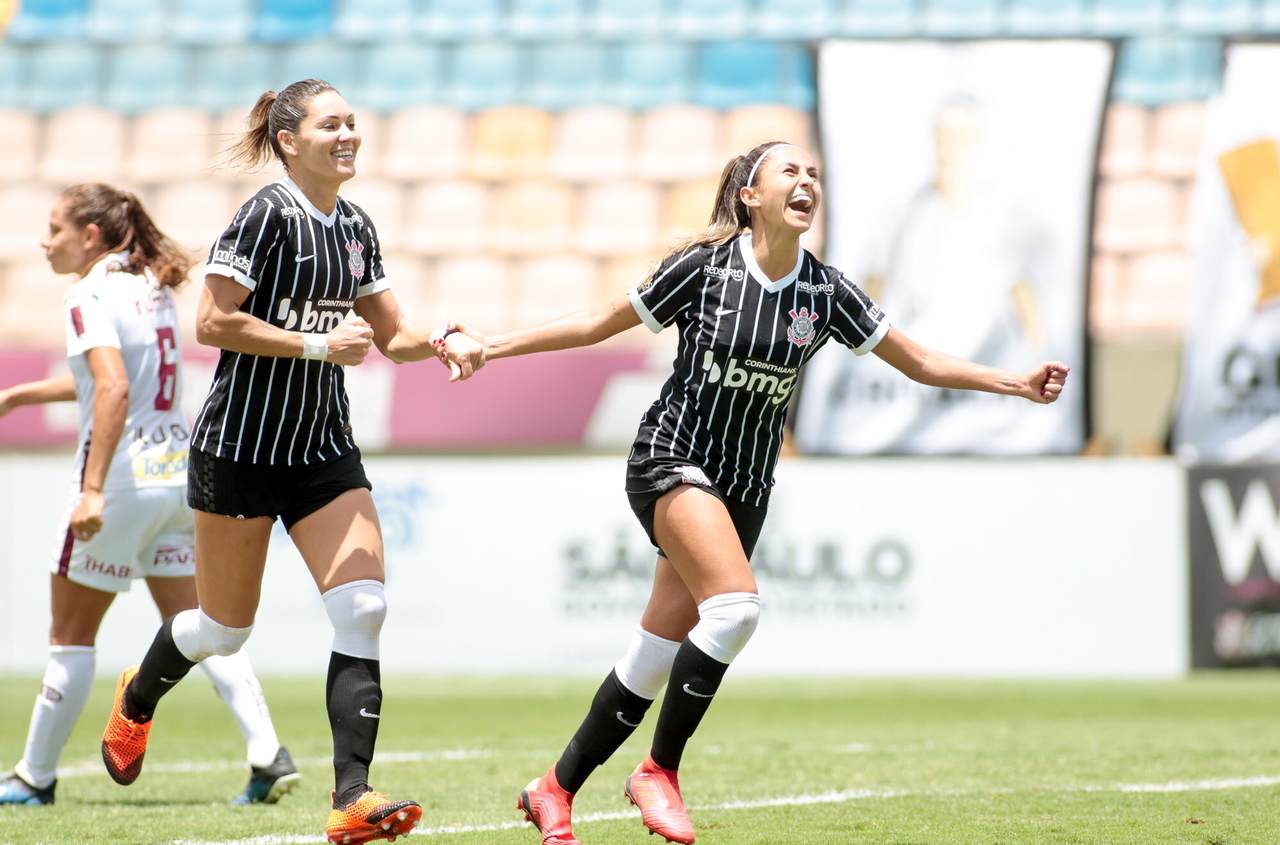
(269, 784)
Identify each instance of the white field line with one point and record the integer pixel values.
(832, 797)
(89, 768)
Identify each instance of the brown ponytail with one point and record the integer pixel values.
(730, 215)
(274, 110)
(126, 227)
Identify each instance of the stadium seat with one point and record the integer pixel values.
(1268, 16)
(370, 21)
(748, 72)
(373, 138)
(410, 279)
(687, 209)
(678, 143)
(83, 144)
(221, 22)
(48, 20)
(292, 20)
(510, 143)
(619, 217)
(626, 19)
(13, 77)
(566, 75)
(1177, 134)
(1126, 141)
(384, 201)
(231, 77)
(473, 289)
(8, 8)
(194, 212)
(449, 218)
(593, 144)
(141, 77)
(794, 18)
(551, 286)
(959, 17)
(877, 18)
(400, 75)
(24, 208)
(544, 19)
(1156, 70)
(748, 126)
(699, 19)
(532, 217)
(120, 21)
(483, 75)
(22, 140)
(1128, 17)
(335, 63)
(1138, 215)
(1045, 17)
(460, 20)
(425, 142)
(32, 316)
(170, 144)
(650, 74)
(1108, 282)
(1158, 293)
(1217, 17)
(62, 76)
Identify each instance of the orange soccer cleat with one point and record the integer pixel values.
(549, 808)
(369, 817)
(124, 742)
(656, 791)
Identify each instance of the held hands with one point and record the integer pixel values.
(1045, 383)
(86, 519)
(460, 349)
(349, 343)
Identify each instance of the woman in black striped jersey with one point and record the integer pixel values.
(751, 307)
(274, 439)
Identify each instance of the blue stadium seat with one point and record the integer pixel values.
(1044, 17)
(878, 17)
(327, 60)
(1218, 17)
(709, 19)
(794, 18)
(48, 20)
(293, 20)
(141, 77)
(627, 18)
(1128, 17)
(400, 75)
(365, 21)
(959, 17)
(544, 19)
(740, 73)
(212, 21)
(460, 19)
(120, 21)
(567, 74)
(798, 87)
(483, 75)
(63, 75)
(652, 73)
(1268, 16)
(231, 76)
(13, 77)
(1157, 70)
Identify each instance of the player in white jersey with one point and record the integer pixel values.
(128, 516)
(752, 307)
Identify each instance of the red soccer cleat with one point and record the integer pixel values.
(369, 817)
(656, 791)
(549, 808)
(124, 742)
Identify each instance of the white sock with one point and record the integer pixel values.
(238, 687)
(68, 676)
(646, 666)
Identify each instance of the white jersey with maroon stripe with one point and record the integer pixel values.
(133, 313)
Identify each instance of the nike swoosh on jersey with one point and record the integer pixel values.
(369, 715)
(697, 694)
(625, 722)
(299, 258)
(725, 312)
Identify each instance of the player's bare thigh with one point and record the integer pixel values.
(341, 542)
(671, 612)
(77, 611)
(230, 557)
(695, 531)
(173, 595)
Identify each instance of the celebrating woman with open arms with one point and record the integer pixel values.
(274, 439)
(751, 307)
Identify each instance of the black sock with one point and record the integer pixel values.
(614, 715)
(160, 672)
(695, 677)
(353, 696)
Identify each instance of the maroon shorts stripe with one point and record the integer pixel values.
(64, 560)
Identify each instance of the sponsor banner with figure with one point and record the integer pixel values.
(959, 198)
(1234, 540)
(1229, 409)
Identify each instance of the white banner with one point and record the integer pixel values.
(958, 180)
(537, 567)
(1229, 409)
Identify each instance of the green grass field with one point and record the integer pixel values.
(782, 761)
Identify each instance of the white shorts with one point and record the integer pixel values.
(146, 532)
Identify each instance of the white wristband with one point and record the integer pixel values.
(315, 347)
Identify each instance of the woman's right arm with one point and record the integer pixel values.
(58, 389)
(221, 323)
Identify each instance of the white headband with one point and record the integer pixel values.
(751, 177)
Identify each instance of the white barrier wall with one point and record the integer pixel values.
(536, 566)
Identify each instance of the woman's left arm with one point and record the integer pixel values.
(928, 366)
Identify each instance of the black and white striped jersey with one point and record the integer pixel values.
(743, 340)
(305, 269)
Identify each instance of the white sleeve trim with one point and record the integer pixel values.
(227, 270)
(873, 341)
(646, 316)
(376, 286)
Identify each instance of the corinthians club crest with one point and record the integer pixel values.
(355, 259)
(801, 332)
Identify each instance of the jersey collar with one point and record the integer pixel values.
(99, 268)
(749, 258)
(292, 187)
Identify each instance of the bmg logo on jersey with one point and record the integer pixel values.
(322, 315)
(754, 376)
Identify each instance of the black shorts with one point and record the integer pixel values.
(245, 490)
(649, 480)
